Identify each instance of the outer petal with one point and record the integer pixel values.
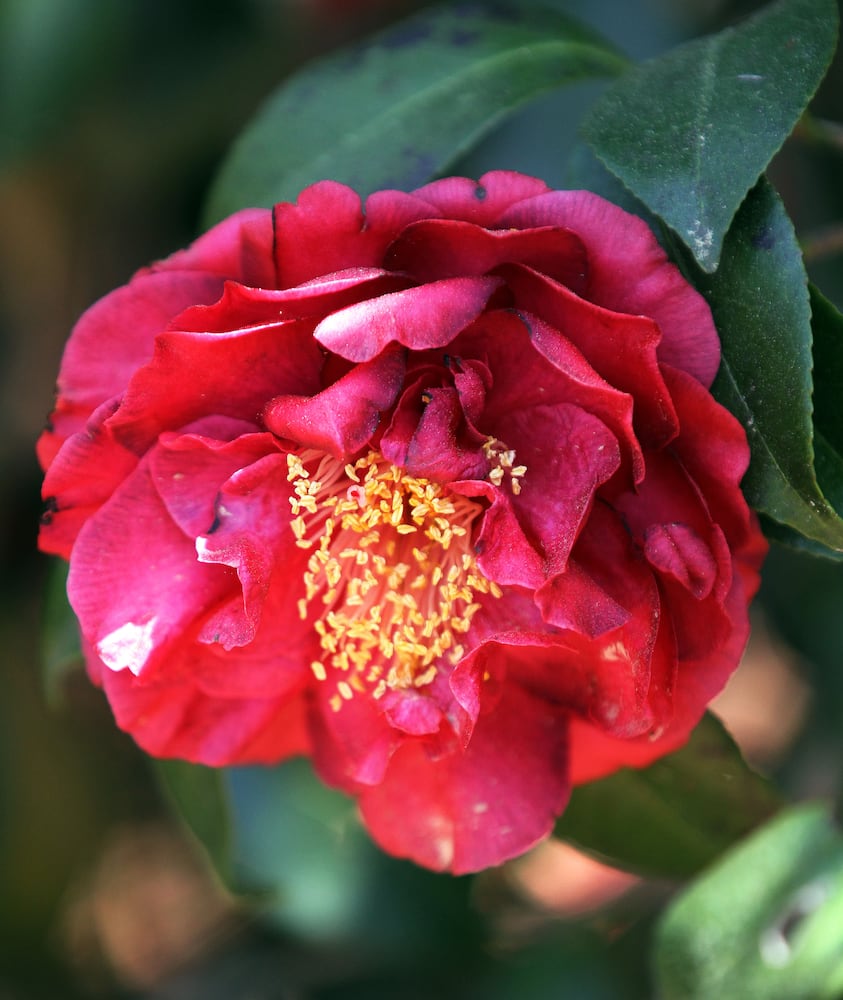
(628, 272)
(135, 583)
(87, 469)
(240, 371)
(238, 248)
(178, 720)
(104, 349)
(482, 202)
(327, 230)
(470, 810)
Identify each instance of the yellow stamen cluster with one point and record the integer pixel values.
(391, 567)
(502, 461)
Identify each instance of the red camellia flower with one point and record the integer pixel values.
(433, 491)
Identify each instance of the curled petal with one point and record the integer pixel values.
(445, 248)
(240, 371)
(419, 318)
(342, 418)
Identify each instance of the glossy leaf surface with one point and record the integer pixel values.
(689, 133)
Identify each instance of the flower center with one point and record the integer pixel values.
(391, 567)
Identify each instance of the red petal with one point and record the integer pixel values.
(476, 808)
(105, 350)
(504, 553)
(712, 448)
(569, 454)
(135, 582)
(628, 272)
(341, 419)
(189, 469)
(532, 364)
(351, 746)
(420, 318)
(621, 348)
(678, 551)
(327, 230)
(442, 447)
(444, 248)
(86, 471)
(238, 372)
(178, 720)
(238, 248)
(241, 306)
(251, 533)
(482, 202)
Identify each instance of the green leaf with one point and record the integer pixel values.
(827, 328)
(677, 815)
(399, 109)
(765, 922)
(61, 653)
(759, 299)
(199, 797)
(689, 133)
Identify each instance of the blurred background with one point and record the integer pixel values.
(114, 115)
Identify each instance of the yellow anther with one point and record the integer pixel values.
(389, 608)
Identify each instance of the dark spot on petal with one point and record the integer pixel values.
(51, 507)
(479, 547)
(524, 320)
(49, 426)
(480, 192)
(426, 398)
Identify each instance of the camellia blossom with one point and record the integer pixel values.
(432, 490)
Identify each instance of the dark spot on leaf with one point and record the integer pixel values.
(764, 239)
(406, 34)
(460, 38)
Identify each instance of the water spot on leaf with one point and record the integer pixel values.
(777, 941)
